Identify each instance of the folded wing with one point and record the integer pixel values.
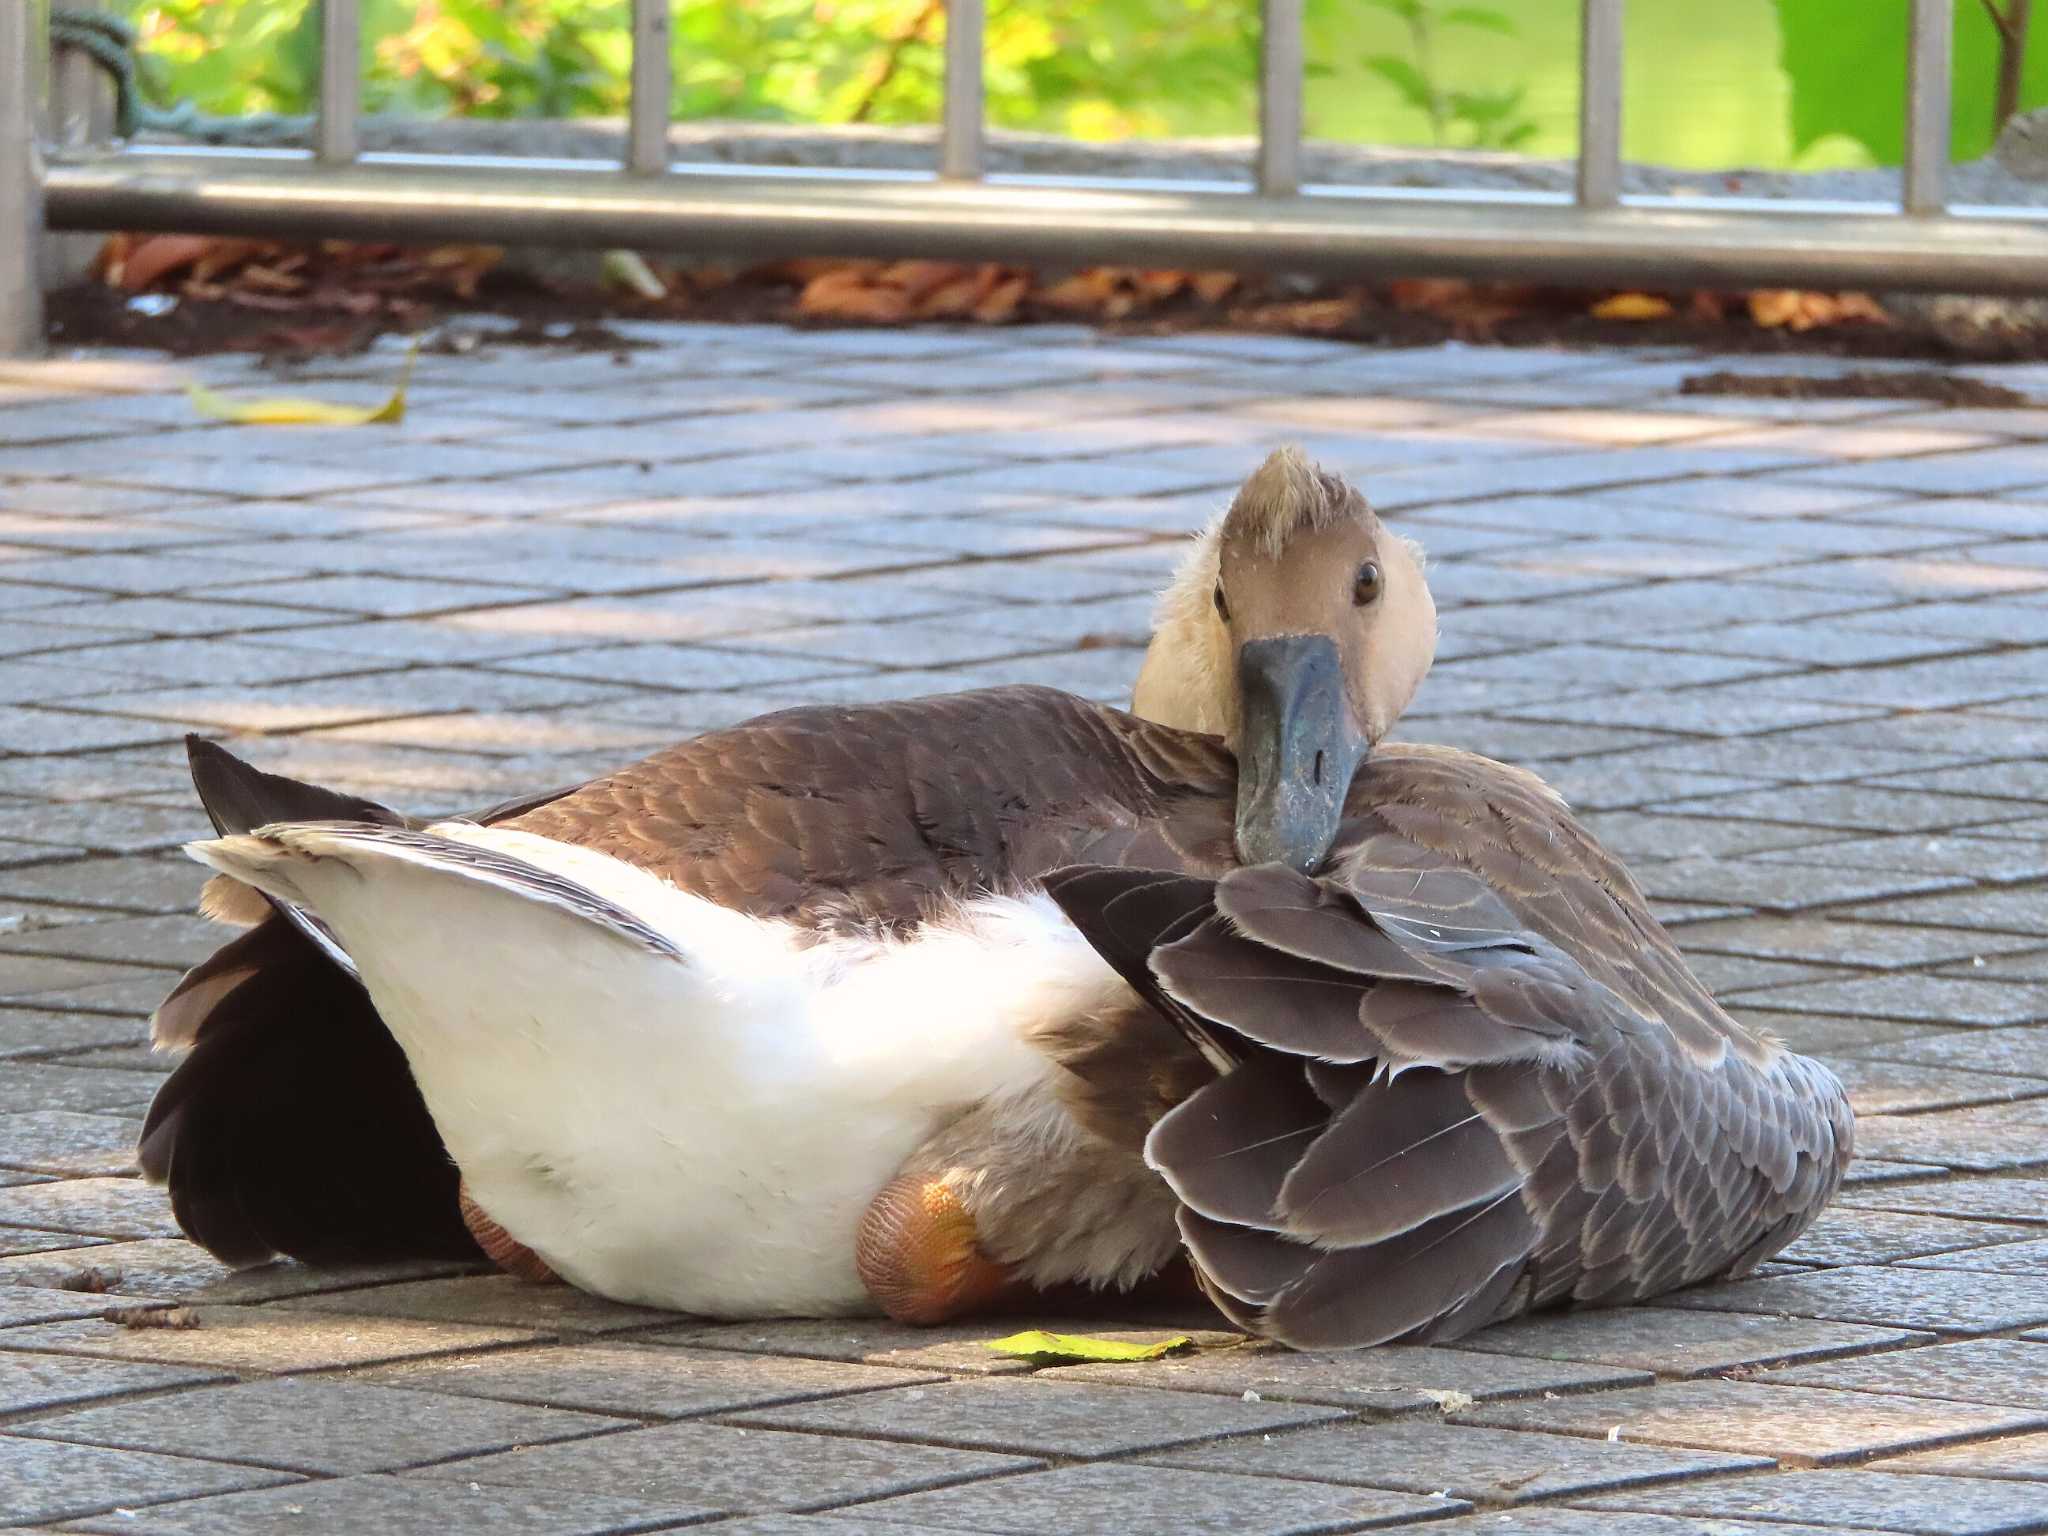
(1428, 1117)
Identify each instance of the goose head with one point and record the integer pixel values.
(1298, 629)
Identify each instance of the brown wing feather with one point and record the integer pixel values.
(1544, 1135)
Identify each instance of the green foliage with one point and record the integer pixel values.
(1467, 119)
(1094, 68)
(1489, 73)
(1846, 60)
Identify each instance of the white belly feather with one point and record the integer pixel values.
(700, 1132)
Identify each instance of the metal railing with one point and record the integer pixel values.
(1270, 222)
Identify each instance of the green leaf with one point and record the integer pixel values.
(1846, 63)
(1485, 21)
(1408, 10)
(1483, 106)
(1044, 1348)
(1405, 78)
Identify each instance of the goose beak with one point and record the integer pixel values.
(1298, 745)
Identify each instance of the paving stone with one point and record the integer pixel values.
(1963, 1138)
(1992, 1050)
(329, 1427)
(1876, 1501)
(1835, 1038)
(1591, 1522)
(27, 1240)
(642, 1382)
(395, 1506)
(1485, 1466)
(41, 1480)
(34, 1383)
(1857, 807)
(1920, 998)
(1038, 1416)
(955, 1348)
(2029, 1258)
(495, 1299)
(1780, 886)
(2017, 1456)
(1816, 1424)
(20, 1304)
(1942, 1303)
(256, 1339)
(1107, 1500)
(1844, 1237)
(66, 1142)
(173, 1268)
(1875, 946)
(2011, 1371)
(729, 1468)
(139, 883)
(39, 1032)
(2009, 1199)
(2000, 852)
(1884, 1087)
(2020, 911)
(1674, 1343)
(95, 1207)
(1389, 1380)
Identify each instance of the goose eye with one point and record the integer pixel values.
(1366, 587)
(1222, 608)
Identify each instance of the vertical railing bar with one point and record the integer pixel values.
(336, 140)
(1600, 36)
(653, 79)
(963, 119)
(1930, 51)
(1281, 66)
(24, 62)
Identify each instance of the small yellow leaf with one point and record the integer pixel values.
(1067, 1348)
(287, 411)
(1632, 306)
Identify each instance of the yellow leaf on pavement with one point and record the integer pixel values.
(289, 411)
(1068, 1348)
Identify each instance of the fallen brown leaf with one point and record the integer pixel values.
(158, 256)
(848, 294)
(1317, 315)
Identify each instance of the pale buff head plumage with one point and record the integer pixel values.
(1286, 558)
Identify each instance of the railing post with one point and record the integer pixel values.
(1281, 62)
(1930, 48)
(653, 80)
(24, 60)
(335, 137)
(1600, 104)
(963, 119)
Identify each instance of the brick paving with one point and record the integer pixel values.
(1790, 659)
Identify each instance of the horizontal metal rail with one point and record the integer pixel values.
(1655, 242)
(1271, 222)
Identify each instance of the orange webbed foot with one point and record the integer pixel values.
(499, 1246)
(918, 1255)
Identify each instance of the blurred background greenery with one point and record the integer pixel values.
(1736, 83)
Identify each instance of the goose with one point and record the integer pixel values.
(925, 1007)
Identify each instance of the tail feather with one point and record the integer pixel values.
(273, 859)
(240, 797)
(294, 1126)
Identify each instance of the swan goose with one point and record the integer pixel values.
(915, 1006)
